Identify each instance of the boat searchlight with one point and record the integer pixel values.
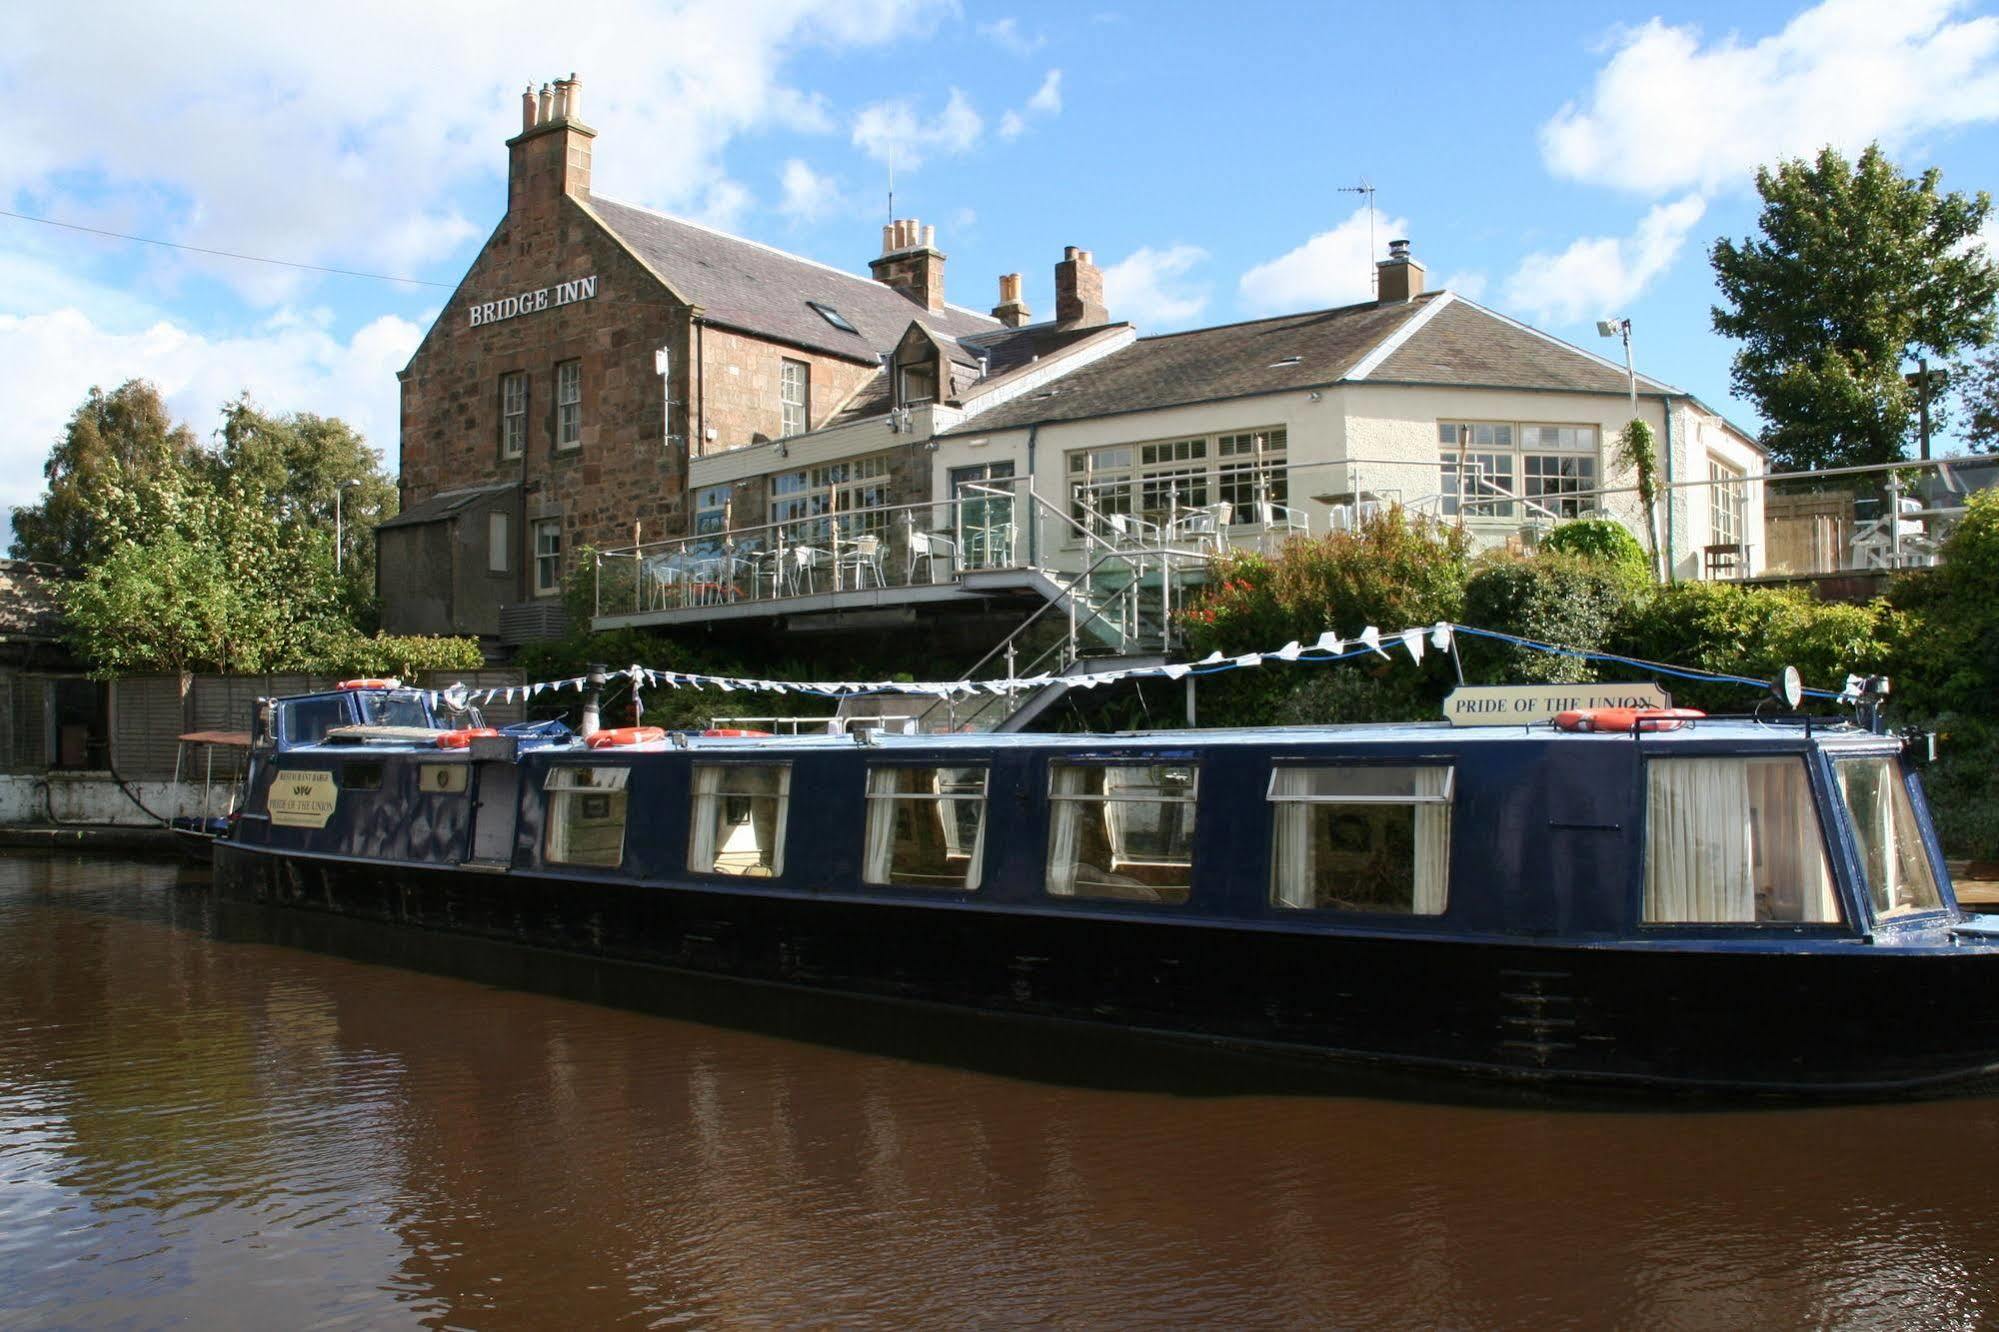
(1788, 689)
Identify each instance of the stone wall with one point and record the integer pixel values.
(739, 388)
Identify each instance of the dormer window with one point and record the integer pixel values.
(919, 383)
(833, 317)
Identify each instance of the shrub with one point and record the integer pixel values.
(403, 655)
(1604, 541)
(1555, 598)
(1753, 632)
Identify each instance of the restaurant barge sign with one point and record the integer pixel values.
(1516, 705)
(527, 302)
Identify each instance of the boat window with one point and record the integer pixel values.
(926, 827)
(361, 776)
(1899, 878)
(1121, 832)
(402, 709)
(586, 816)
(1734, 840)
(307, 720)
(1361, 839)
(739, 815)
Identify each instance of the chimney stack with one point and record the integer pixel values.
(1079, 290)
(1011, 310)
(551, 154)
(1398, 278)
(911, 263)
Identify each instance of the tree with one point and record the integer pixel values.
(122, 468)
(1858, 270)
(1977, 385)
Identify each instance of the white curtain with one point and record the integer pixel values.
(1788, 854)
(1065, 823)
(1433, 842)
(1698, 843)
(879, 859)
(1293, 875)
(706, 816)
(1116, 813)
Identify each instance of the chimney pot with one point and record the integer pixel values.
(575, 89)
(527, 108)
(930, 236)
(910, 263)
(1011, 310)
(561, 107)
(542, 106)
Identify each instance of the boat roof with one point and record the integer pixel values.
(1744, 730)
(232, 739)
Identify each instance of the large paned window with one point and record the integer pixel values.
(1734, 840)
(1153, 480)
(586, 816)
(1495, 469)
(1361, 839)
(1124, 832)
(568, 404)
(1899, 878)
(738, 819)
(926, 827)
(857, 489)
(1727, 497)
(711, 510)
(513, 413)
(547, 557)
(794, 392)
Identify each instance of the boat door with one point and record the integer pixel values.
(496, 805)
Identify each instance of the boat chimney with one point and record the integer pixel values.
(593, 706)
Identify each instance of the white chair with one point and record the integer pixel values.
(1132, 530)
(929, 547)
(1283, 518)
(861, 563)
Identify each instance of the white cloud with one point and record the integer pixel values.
(1005, 32)
(808, 195)
(1470, 284)
(892, 131)
(1149, 288)
(1047, 99)
(289, 363)
(1600, 275)
(344, 134)
(1669, 113)
(1332, 268)
(1012, 125)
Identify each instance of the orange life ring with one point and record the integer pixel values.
(625, 735)
(1626, 720)
(370, 684)
(736, 732)
(463, 739)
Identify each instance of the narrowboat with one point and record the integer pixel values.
(1737, 905)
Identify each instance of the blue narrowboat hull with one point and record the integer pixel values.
(1832, 1017)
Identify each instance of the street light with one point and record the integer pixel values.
(337, 544)
(1621, 328)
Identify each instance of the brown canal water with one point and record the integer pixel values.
(224, 1117)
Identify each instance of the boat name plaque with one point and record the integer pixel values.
(303, 799)
(1517, 705)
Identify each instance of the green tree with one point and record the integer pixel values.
(294, 464)
(1858, 270)
(1977, 391)
(122, 469)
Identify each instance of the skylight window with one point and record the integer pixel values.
(833, 317)
(1289, 360)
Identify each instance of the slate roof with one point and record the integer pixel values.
(757, 289)
(27, 601)
(443, 505)
(1204, 364)
(1469, 344)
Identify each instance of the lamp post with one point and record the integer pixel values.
(1621, 328)
(338, 545)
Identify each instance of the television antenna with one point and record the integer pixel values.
(1366, 189)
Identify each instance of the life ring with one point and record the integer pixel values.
(624, 735)
(464, 739)
(1626, 720)
(736, 733)
(370, 684)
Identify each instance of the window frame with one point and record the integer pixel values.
(513, 415)
(1728, 502)
(805, 495)
(1447, 799)
(1191, 799)
(569, 404)
(499, 542)
(975, 862)
(721, 797)
(561, 784)
(1204, 469)
(1890, 916)
(1510, 450)
(794, 377)
(550, 586)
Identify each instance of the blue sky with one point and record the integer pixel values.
(1555, 161)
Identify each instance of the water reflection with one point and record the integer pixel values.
(242, 1118)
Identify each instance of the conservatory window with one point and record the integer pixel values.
(586, 816)
(1122, 832)
(1734, 840)
(1361, 839)
(738, 819)
(857, 489)
(1899, 878)
(1555, 467)
(926, 827)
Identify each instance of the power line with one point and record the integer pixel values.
(224, 254)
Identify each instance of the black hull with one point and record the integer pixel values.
(1858, 1022)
